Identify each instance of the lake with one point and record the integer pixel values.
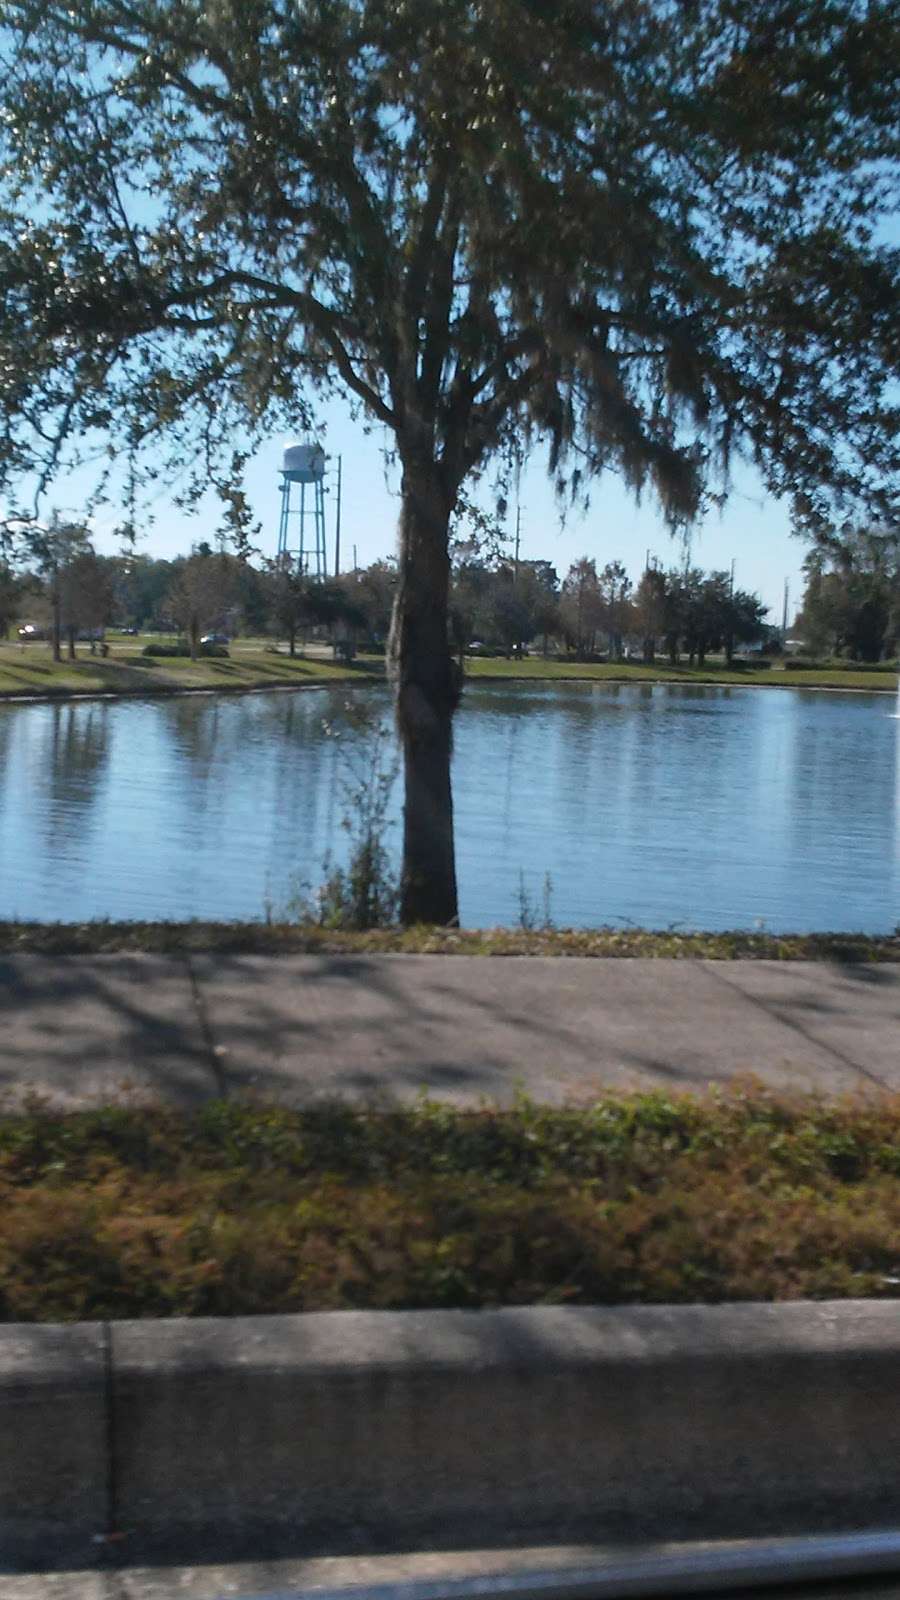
(634, 803)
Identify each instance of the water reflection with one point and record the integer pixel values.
(896, 722)
(842, 807)
(66, 771)
(644, 803)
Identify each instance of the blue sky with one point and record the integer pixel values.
(753, 529)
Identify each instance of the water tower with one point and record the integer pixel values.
(303, 497)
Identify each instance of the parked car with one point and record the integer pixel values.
(30, 630)
(215, 638)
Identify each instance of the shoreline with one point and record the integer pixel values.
(107, 936)
(160, 691)
(689, 683)
(167, 690)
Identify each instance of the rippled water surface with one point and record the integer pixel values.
(658, 805)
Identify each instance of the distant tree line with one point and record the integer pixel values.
(69, 592)
(495, 604)
(850, 608)
(681, 612)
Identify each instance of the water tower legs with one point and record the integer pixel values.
(298, 542)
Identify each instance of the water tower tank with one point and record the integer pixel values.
(304, 463)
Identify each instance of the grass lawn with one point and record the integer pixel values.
(244, 1208)
(126, 671)
(535, 667)
(250, 664)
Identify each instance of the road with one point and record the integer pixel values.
(770, 1569)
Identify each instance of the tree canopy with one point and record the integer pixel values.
(851, 601)
(647, 232)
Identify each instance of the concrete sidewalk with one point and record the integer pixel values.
(298, 1028)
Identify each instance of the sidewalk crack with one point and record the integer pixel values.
(213, 1056)
(778, 1015)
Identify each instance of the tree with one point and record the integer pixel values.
(329, 603)
(200, 595)
(54, 547)
(371, 590)
(650, 610)
(251, 597)
(140, 587)
(681, 599)
(582, 609)
(288, 608)
(615, 591)
(645, 234)
(546, 620)
(851, 603)
(538, 589)
(85, 594)
(296, 602)
(11, 593)
(499, 602)
(745, 621)
(817, 620)
(511, 621)
(707, 615)
(472, 583)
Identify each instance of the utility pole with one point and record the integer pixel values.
(784, 613)
(518, 647)
(731, 584)
(355, 566)
(337, 528)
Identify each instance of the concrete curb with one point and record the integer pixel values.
(361, 1430)
(53, 1439)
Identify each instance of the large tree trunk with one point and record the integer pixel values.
(426, 686)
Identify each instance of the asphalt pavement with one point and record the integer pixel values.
(80, 1029)
(721, 1571)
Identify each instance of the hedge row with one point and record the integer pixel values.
(242, 1208)
(182, 648)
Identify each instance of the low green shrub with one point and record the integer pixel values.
(837, 664)
(182, 648)
(869, 666)
(242, 1208)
